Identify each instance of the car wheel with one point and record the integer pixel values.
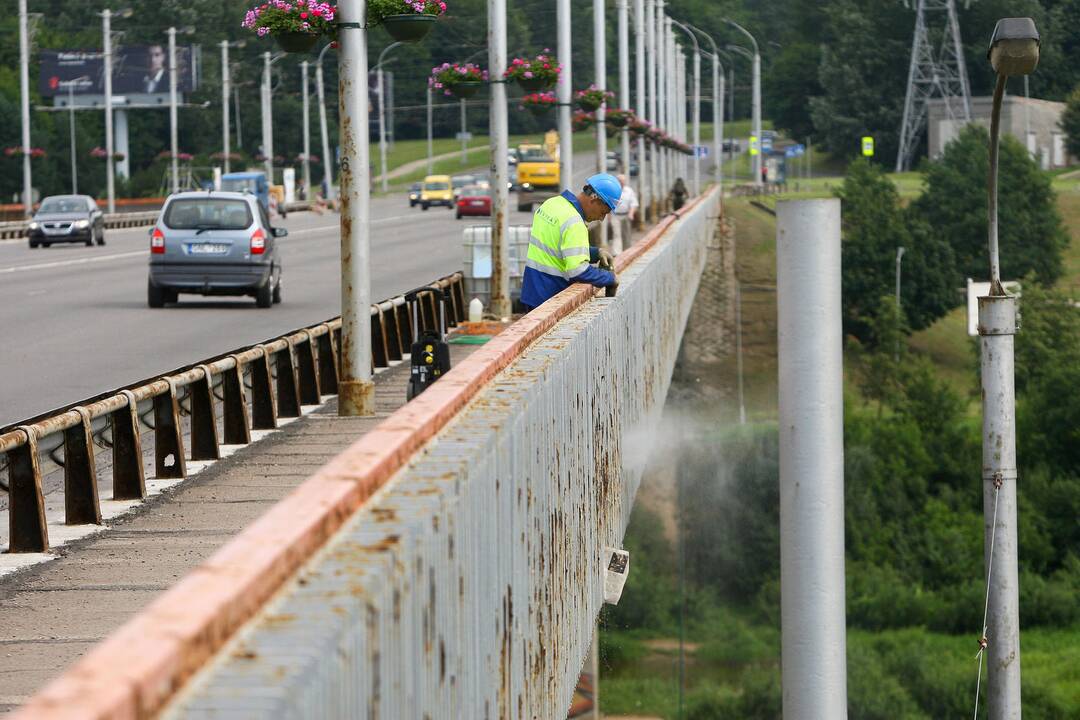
(264, 296)
(277, 291)
(155, 296)
(46, 244)
(424, 206)
(171, 296)
(33, 244)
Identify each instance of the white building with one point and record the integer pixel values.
(1035, 123)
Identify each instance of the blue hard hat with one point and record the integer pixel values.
(607, 188)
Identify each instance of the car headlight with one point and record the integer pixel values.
(82, 224)
(33, 225)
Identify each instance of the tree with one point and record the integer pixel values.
(790, 83)
(875, 225)
(954, 205)
(1070, 123)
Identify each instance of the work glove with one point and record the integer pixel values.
(610, 290)
(606, 261)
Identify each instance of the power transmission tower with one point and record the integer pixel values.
(937, 70)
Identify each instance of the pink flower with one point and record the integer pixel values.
(528, 74)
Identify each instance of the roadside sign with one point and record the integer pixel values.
(789, 152)
(701, 151)
(867, 146)
(766, 143)
(753, 145)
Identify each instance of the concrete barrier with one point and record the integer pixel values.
(468, 583)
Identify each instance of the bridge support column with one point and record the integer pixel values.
(814, 652)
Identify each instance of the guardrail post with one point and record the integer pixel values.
(405, 328)
(378, 339)
(204, 441)
(287, 393)
(81, 506)
(390, 329)
(328, 363)
(129, 480)
(237, 426)
(263, 407)
(26, 503)
(168, 441)
(305, 369)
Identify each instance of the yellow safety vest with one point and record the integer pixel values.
(559, 243)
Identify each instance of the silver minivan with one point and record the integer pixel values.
(214, 243)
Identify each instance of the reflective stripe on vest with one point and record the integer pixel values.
(559, 242)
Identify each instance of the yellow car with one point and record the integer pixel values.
(436, 190)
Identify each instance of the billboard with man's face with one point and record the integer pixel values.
(137, 69)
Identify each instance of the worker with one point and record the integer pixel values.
(559, 250)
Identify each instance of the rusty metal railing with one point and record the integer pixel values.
(193, 411)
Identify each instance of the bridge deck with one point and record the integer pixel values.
(54, 612)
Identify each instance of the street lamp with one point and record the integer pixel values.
(226, 74)
(697, 103)
(106, 32)
(755, 101)
(328, 163)
(718, 103)
(1014, 50)
(381, 89)
(267, 114)
(739, 50)
(173, 123)
(899, 256)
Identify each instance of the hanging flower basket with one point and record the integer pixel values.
(618, 118)
(409, 28)
(535, 74)
(17, 151)
(592, 97)
(582, 120)
(639, 127)
(539, 104)
(461, 80)
(296, 42)
(296, 25)
(99, 153)
(407, 21)
(180, 156)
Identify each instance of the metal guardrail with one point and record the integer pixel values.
(469, 585)
(282, 374)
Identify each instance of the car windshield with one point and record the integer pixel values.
(435, 186)
(207, 214)
(535, 155)
(239, 184)
(63, 205)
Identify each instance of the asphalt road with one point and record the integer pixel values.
(75, 320)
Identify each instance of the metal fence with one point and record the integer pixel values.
(186, 416)
(469, 585)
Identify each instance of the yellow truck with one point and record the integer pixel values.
(538, 172)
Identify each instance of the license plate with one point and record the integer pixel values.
(477, 203)
(208, 249)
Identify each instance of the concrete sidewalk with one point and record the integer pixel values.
(55, 612)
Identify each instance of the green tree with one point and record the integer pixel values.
(790, 83)
(1070, 123)
(875, 225)
(954, 203)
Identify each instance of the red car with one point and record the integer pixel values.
(474, 200)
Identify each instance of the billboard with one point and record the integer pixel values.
(138, 69)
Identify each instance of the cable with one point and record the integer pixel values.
(983, 643)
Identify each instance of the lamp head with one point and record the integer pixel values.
(1014, 47)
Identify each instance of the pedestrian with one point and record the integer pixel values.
(623, 217)
(764, 174)
(559, 250)
(678, 194)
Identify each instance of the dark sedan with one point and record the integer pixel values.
(66, 219)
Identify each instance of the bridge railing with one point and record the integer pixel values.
(450, 563)
(187, 415)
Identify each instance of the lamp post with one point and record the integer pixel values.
(71, 130)
(500, 149)
(381, 89)
(306, 123)
(24, 102)
(755, 101)
(268, 115)
(328, 162)
(600, 67)
(654, 156)
(899, 256)
(661, 100)
(623, 18)
(697, 103)
(356, 391)
(718, 104)
(739, 50)
(1014, 50)
(173, 140)
(110, 185)
(564, 21)
(642, 108)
